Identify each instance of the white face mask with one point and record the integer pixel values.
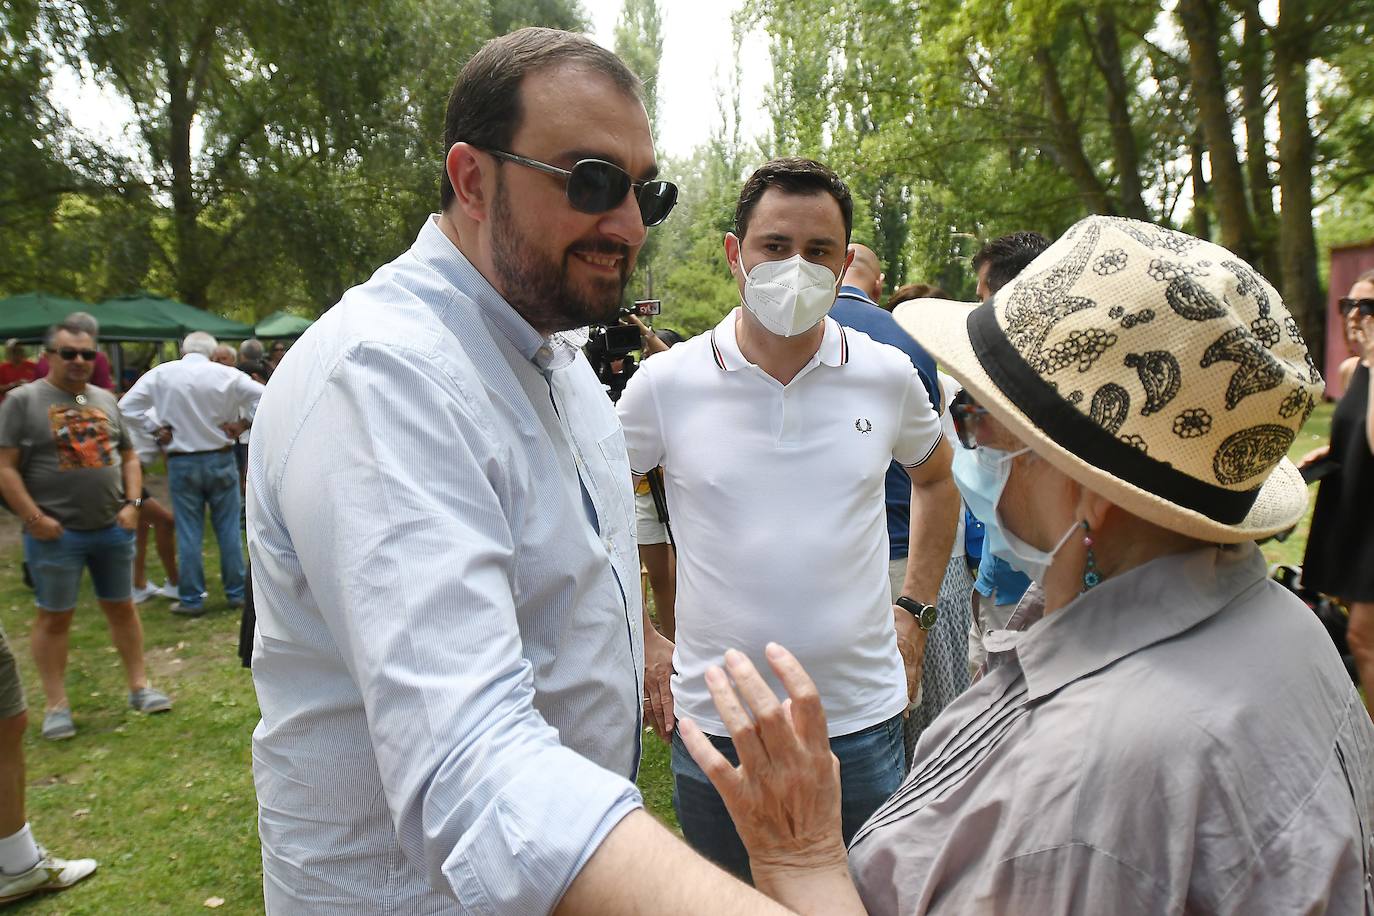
(789, 297)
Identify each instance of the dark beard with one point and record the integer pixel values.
(539, 289)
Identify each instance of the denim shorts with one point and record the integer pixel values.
(56, 566)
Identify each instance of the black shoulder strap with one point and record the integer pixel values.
(655, 478)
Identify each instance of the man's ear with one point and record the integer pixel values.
(464, 165)
(844, 268)
(732, 258)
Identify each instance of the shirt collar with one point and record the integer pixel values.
(725, 349)
(1127, 613)
(195, 357)
(853, 292)
(437, 251)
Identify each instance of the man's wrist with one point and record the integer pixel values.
(33, 518)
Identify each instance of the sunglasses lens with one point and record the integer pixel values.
(595, 187)
(656, 201)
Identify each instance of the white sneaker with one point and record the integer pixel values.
(50, 874)
(147, 591)
(168, 590)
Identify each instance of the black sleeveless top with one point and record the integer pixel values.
(1340, 548)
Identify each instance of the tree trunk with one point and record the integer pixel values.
(185, 212)
(1107, 55)
(1202, 215)
(1198, 18)
(1067, 141)
(1252, 81)
(1301, 286)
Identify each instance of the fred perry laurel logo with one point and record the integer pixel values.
(863, 426)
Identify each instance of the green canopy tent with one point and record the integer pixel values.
(282, 324)
(144, 316)
(28, 316)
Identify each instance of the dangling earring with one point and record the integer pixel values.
(1091, 576)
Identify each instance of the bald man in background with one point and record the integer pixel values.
(943, 675)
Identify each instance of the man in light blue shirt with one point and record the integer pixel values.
(449, 656)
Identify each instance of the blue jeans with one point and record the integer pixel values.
(56, 566)
(197, 481)
(871, 769)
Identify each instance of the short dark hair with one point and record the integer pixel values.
(484, 106)
(1008, 255)
(793, 175)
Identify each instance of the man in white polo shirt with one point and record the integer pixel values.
(775, 431)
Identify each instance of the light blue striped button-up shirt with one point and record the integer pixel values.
(449, 653)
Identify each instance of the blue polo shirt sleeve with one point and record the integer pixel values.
(639, 417)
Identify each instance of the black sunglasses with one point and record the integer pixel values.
(595, 186)
(1366, 306)
(967, 415)
(70, 353)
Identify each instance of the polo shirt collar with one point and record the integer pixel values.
(853, 292)
(195, 357)
(1127, 613)
(834, 350)
(437, 251)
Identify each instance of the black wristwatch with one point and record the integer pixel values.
(925, 614)
(136, 502)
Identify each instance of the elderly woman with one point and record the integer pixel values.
(1170, 731)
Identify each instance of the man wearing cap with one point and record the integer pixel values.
(775, 432)
(1164, 729)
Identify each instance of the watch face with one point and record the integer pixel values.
(929, 614)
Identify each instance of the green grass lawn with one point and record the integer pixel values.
(166, 802)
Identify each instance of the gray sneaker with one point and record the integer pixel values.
(149, 699)
(50, 874)
(58, 725)
(186, 610)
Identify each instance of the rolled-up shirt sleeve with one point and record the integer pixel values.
(396, 494)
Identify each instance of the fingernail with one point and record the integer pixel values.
(714, 673)
(733, 656)
(773, 650)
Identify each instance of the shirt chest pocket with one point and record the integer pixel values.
(616, 483)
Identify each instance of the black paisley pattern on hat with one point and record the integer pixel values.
(1083, 348)
(1155, 236)
(1185, 295)
(1109, 262)
(1041, 301)
(1192, 423)
(1160, 376)
(1297, 401)
(1110, 406)
(1251, 452)
(1258, 369)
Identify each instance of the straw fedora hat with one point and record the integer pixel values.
(1154, 368)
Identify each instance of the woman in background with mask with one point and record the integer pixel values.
(1171, 731)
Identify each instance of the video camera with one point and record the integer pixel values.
(612, 344)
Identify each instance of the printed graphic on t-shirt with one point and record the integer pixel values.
(82, 437)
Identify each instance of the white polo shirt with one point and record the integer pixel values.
(776, 499)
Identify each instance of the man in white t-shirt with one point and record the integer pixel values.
(775, 431)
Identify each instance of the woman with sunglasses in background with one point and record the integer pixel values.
(1339, 560)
